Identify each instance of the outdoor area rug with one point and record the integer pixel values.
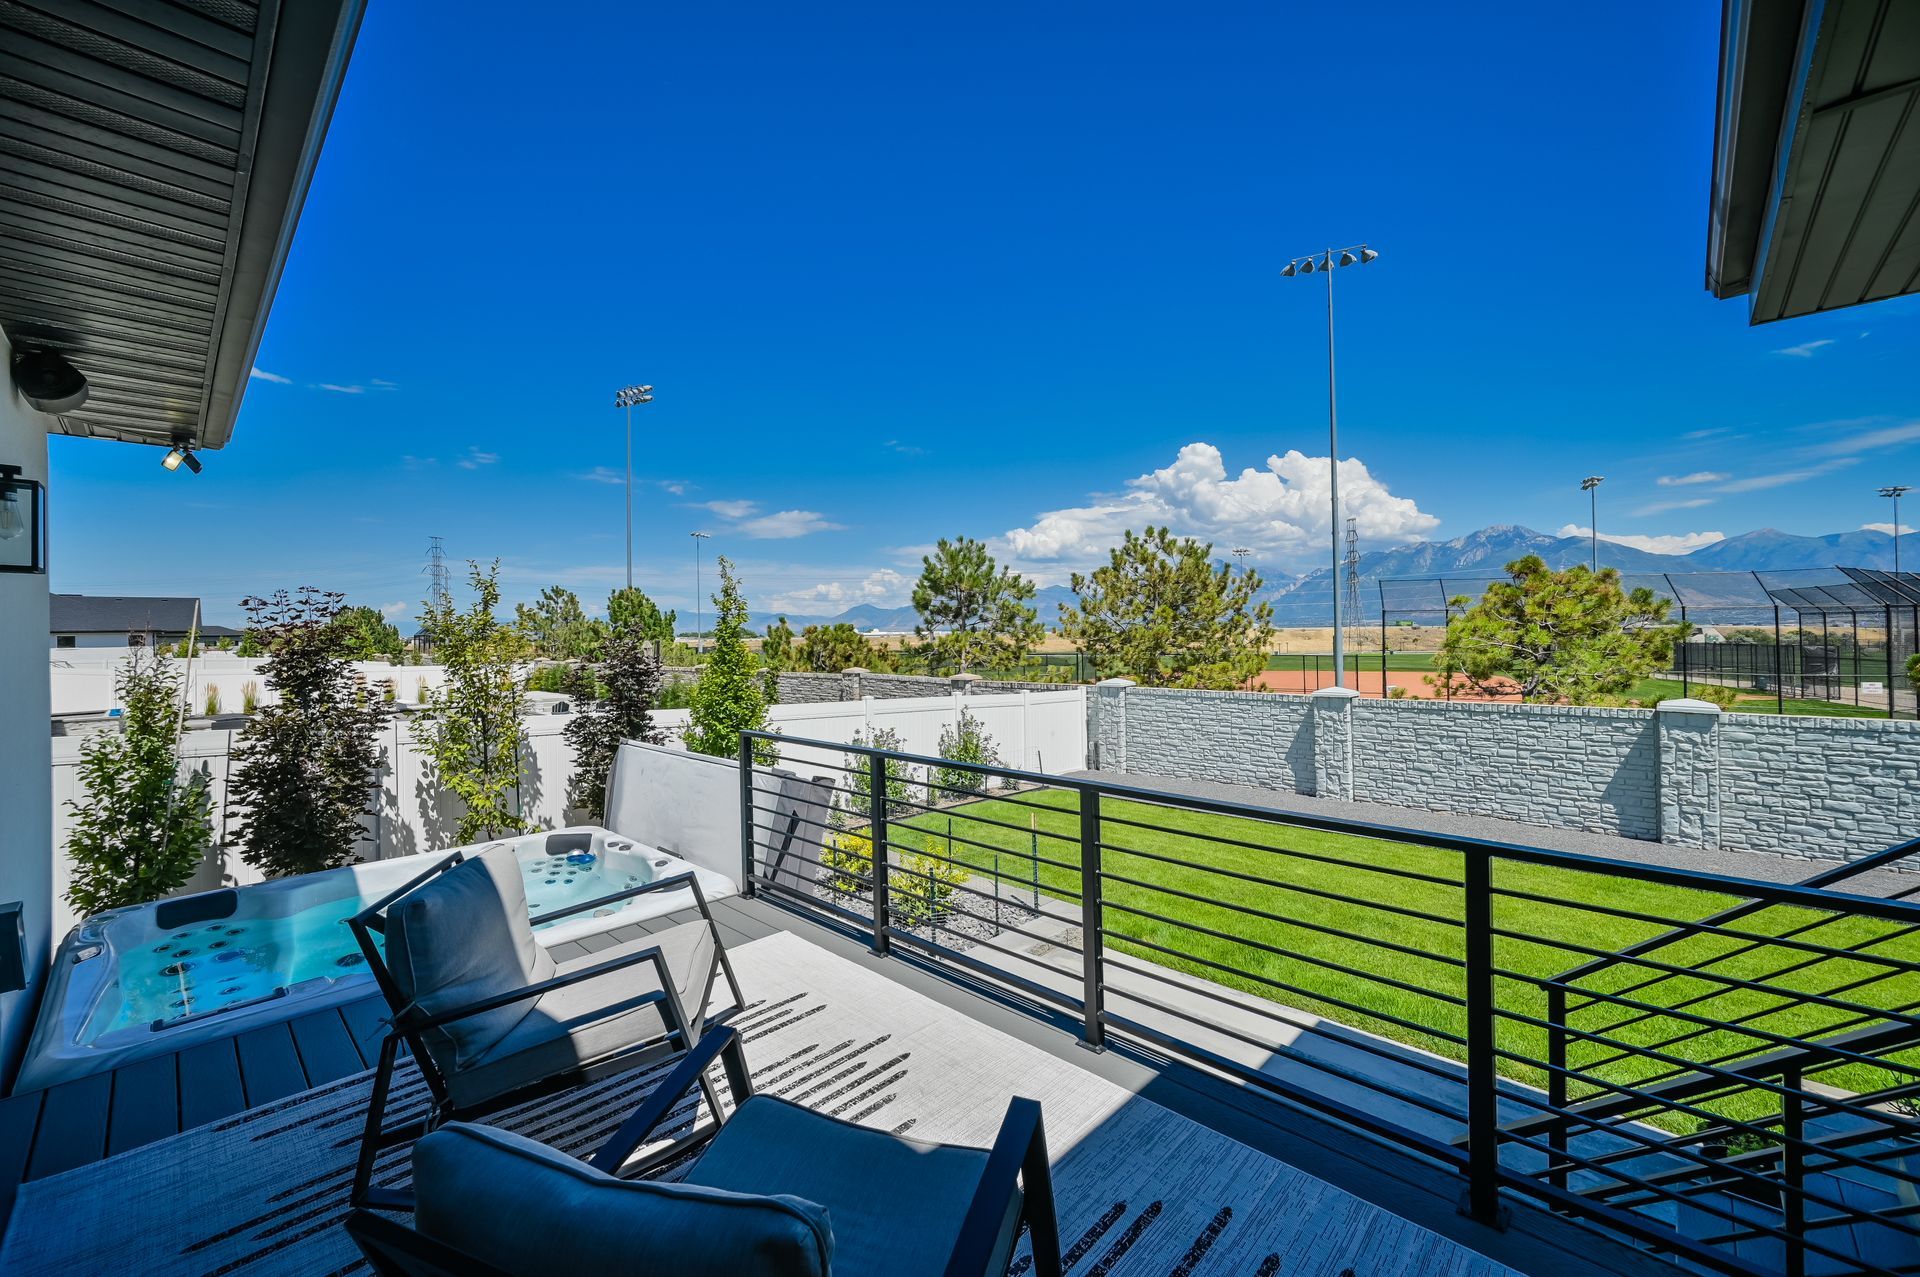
(1140, 1189)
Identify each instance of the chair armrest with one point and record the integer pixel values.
(391, 1246)
(678, 880)
(637, 1128)
(411, 1019)
(1020, 1150)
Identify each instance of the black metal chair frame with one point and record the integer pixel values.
(408, 1023)
(1018, 1156)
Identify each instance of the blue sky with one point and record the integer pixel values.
(901, 272)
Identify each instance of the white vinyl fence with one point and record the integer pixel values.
(81, 680)
(1034, 730)
(1038, 730)
(409, 814)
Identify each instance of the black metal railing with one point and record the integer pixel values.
(1731, 1072)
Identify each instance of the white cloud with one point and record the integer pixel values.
(261, 374)
(343, 390)
(674, 487)
(384, 384)
(1806, 348)
(1707, 433)
(1763, 482)
(476, 458)
(906, 449)
(602, 474)
(1887, 529)
(392, 610)
(1686, 480)
(1279, 510)
(785, 524)
(1677, 543)
(1869, 440)
(883, 588)
(730, 509)
(1666, 507)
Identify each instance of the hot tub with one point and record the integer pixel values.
(154, 978)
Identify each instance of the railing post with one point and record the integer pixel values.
(1093, 1030)
(746, 815)
(1557, 1075)
(1483, 1081)
(1793, 1167)
(877, 867)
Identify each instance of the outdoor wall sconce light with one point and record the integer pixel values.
(23, 523)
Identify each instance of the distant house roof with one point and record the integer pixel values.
(120, 614)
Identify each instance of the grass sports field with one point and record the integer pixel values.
(1346, 908)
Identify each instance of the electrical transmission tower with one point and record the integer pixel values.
(439, 577)
(1351, 585)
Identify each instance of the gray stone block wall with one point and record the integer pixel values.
(1686, 774)
(849, 685)
(1561, 766)
(1818, 787)
(1247, 738)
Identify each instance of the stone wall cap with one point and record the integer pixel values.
(1687, 705)
(856, 669)
(964, 678)
(1335, 694)
(1114, 682)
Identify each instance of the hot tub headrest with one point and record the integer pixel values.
(565, 844)
(187, 910)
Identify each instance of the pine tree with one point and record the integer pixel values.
(731, 697)
(631, 678)
(972, 611)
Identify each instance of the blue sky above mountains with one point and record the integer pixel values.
(901, 273)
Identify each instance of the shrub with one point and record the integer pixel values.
(249, 696)
(144, 830)
(965, 741)
(305, 766)
(420, 694)
(849, 858)
(731, 697)
(859, 773)
(472, 735)
(552, 678)
(1714, 694)
(631, 677)
(213, 699)
(921, 888)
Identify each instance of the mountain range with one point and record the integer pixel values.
(1306, 600)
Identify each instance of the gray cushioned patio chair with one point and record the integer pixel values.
(492, 1020)
(779, 1192)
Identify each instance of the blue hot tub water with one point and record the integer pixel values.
(214, 966)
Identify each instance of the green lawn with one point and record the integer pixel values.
(1401, 931)
(1649, 691)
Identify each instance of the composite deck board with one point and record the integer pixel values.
(269, 1065)
(73, 1125)
(326, 1047)
(209, 1083)
(146, 1103)
(567, 952)
(19, 1117)
(366, 1022)
(596, 944)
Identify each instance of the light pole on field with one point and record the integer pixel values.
(1591, 486)
(1896, 491)
(627, 397)
(1326, 263)
(698, 537)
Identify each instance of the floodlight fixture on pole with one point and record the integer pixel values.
(1591, 486)
(698, 537)
(627, 397)
(1327, 263)
(1896, 491)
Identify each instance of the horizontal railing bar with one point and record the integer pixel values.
(1327, 998)
(1392, 946)
(1870, 1158)
(1319, 1066)
(1611, 911)
(1032, 988)
(1009, 796)
(1811, 1045)
(1345, 1035)
(1398, 911)
(896, 842)
(1438, 1150)
(1826, 878)
(1723, 884)
(853, 916)
(1291, 852)
(899, 893)
(961, 813)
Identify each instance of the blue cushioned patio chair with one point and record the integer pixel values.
(779, 1191)
(493, 1021)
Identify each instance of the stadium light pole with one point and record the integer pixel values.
(1896, 491)
(1591, 486)
(627, 397)
(698, 537)
(1326, 263)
